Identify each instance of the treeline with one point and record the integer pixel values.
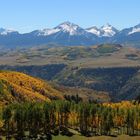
(108, 79)
(43, 120)
(46, 72)
(111, 80)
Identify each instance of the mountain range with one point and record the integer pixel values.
(68, 33)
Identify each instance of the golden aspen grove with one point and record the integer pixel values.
(28, 103)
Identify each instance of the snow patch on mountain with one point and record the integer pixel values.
(65, 27)
(135, 29)
(94, 30)
(71, 28)
(6, 31)
(46, 32)
(108, 30)
(105, 31)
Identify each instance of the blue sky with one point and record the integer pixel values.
(27, 15)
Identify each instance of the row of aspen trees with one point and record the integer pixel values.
(59, 117)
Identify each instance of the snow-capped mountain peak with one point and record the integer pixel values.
(108, 30)
(68, 33)
(6, 31)
(70, 28)
(135, 29)
(94, 30)
(105, 31)
(73, 29)
(65, 27)
(46, 32)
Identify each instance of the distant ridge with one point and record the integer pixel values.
(68, 33)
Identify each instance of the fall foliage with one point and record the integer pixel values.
(57, 117)
(19, 87)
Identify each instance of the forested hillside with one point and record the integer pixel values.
(19, 87)
(112, 80)
(121, 83)
(44, 120)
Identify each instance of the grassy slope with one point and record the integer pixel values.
(94, 56)
(84, 93)
(77, 137)
(15, 86)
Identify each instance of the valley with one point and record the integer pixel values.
(76, 92)
(112, 70)
(70, 70)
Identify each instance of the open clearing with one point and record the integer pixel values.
(77, 137)
(73, 56)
